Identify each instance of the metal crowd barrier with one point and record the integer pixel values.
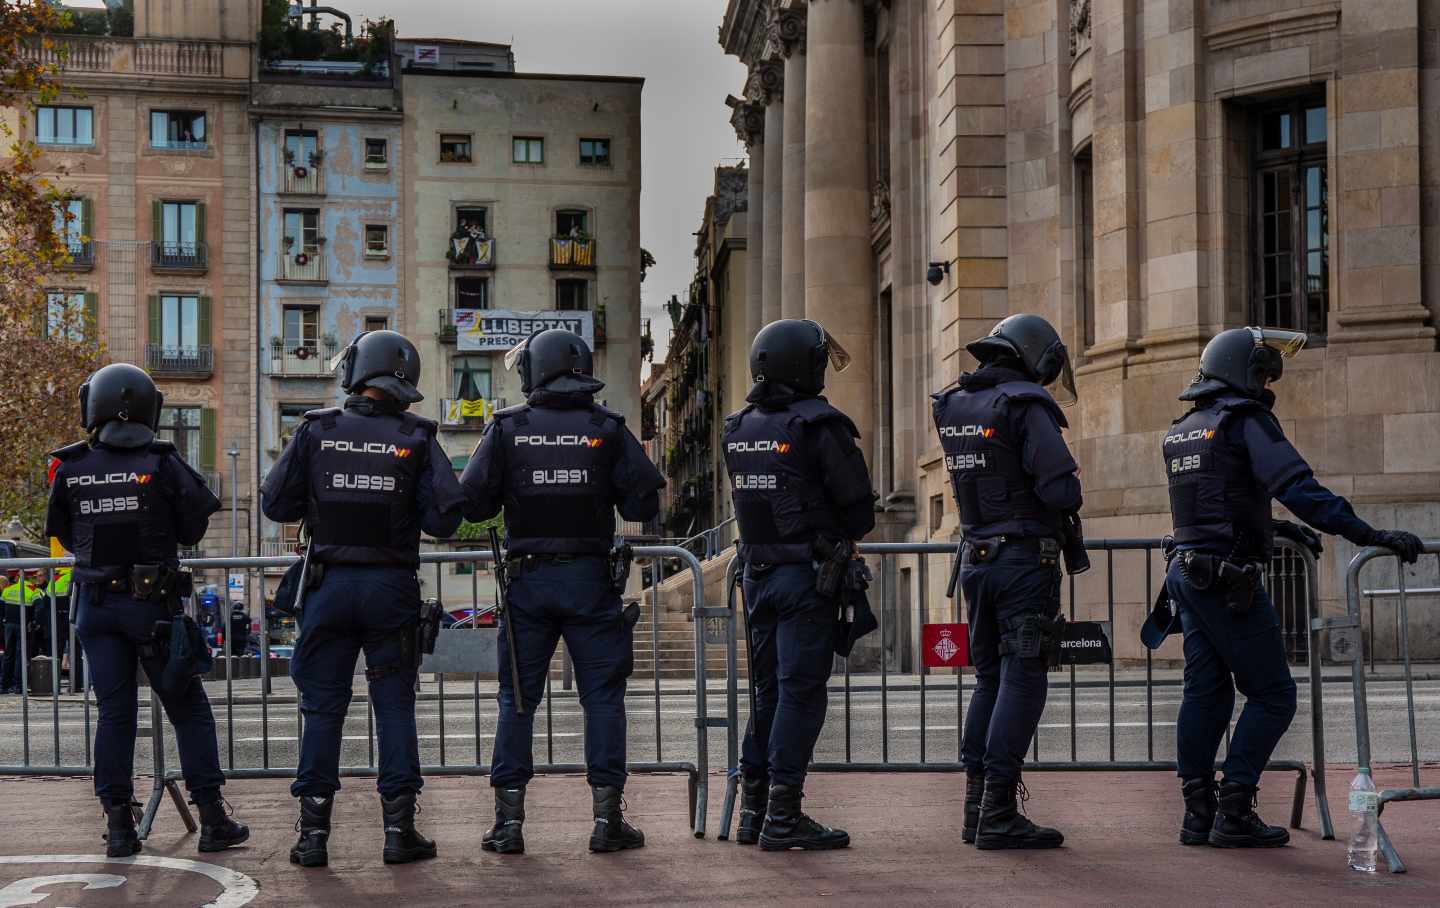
(696, 766)
(1291, 577)
(1346, 641)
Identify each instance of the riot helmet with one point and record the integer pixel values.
(1034, 344)
(554, 359)
(1242, 360)
(385, 360)
(794, 352)
(122, 402)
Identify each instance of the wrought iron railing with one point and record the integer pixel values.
(168, 256)
(163, 360)
(302, 359)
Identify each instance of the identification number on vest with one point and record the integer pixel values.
(110, 505)
(757, 481)
(965, 462)
(1187, 464)
(362, 482)
(560, 477)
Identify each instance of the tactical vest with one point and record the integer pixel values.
(1215, 500)
(994, 493)
(780, 501)
(559, 493)
(119, 515)
(364, 472)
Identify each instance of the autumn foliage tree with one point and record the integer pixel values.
(48, 349)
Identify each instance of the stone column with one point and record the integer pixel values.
(749, 122)
(839, 291)
(767, 87)
(787, 32)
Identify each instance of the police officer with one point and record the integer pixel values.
(18, 599)
(1225, 460)
(800, 487)
(1017, 489)
(560, 465)
(124, 502)
(366, 478)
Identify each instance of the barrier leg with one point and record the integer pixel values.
(696, 792)
(1322, 805)
(178, 799)
(727, 811)
(1297, 804)
(1387, 848)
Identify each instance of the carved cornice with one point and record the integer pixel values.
(766, 82)
(1079, 27)
(785, 31)
(748, 120)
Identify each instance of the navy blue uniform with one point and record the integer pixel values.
(116, 508)
(367, 479)
(560, 467)
(1225, 460)
(796, 476)
(1014, 481)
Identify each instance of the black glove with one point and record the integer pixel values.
(1407, 545)
(1300, 535)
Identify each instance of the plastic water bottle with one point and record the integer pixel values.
(1365, 809)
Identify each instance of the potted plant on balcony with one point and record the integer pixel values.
(317, 157)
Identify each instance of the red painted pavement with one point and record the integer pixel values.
(1120, 849)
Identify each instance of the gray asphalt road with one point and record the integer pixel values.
(880, 726)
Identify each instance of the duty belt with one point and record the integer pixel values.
(522, 564)
(1036, 545)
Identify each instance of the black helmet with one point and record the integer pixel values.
(793, 352)
(385, 360)
(1242, 360)
(1035, 344)
(122, 401)
(554, 360)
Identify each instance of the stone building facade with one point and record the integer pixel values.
(154, 143)
(1144, 174)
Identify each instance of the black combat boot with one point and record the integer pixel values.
(1199, 795)
(1003, 826)
(121, 840)
(787, 826)
(507, 837)
(974, 792)
(1238, 826)
(402, 843)
(612, 833)
(217, 830)
(314, 828)
(754, 797)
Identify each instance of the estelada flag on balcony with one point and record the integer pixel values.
(457, 411)
(945, 645)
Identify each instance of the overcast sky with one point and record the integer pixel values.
(673, 44)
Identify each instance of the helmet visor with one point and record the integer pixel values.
(512, 356)
(1286, 343)
(840, 359)
(1063, 388)
(346, 352)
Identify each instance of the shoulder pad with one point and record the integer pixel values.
(160, 446)
(945, 392)
(70, 452)
(733, 420)
(817, 410)
(1028, 391)
(411, 422)
(511, 412)
(330, 412)
(602, 410)
(1238, 403)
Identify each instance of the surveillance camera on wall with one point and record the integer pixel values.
(937, 272)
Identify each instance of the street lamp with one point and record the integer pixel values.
(234, 455)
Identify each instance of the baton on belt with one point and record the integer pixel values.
(502, 584)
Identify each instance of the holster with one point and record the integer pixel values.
(409, 638)
(1032, 636)
(621, 558)
(630, 615)
(160, 583)
(428, 630)
(1238, 582)
(832, 560)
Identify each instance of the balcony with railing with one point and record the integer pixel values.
(469, 253)
(179, 258)
(139, 56)
(293, 359)
(180, 362)
(307, 266)
(570, 253)
(304, 179)
(81, 256)
(276, 548)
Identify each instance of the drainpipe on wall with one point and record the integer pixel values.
(256, 516)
